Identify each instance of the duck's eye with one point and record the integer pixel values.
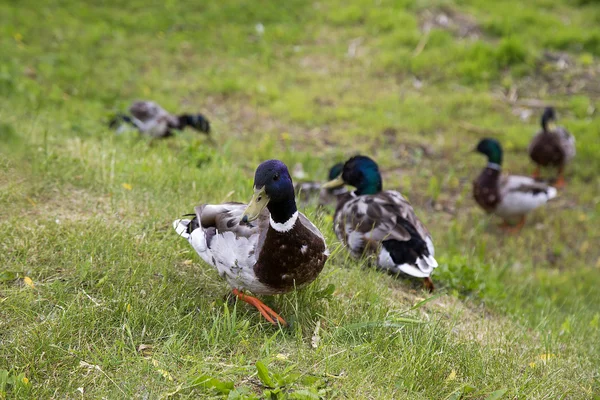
(276, 177)
(259, 198)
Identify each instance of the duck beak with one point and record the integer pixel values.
(258, 202)
(337, 182)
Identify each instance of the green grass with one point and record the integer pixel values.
(120, 307)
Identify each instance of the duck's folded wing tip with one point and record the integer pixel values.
(180, 226)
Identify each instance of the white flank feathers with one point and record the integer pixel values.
(516, 203)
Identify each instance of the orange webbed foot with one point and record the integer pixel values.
(264, 310)
(513, 229)
(428, 283)
(560, 182)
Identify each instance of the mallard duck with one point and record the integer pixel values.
(552, 146)
(266, 247)
(306, 191)
(509, 196)
(382, 223)
(153, 120)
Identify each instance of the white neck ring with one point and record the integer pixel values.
(284, 226)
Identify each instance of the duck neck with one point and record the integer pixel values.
(494, 166)
(370, 185)
(283, 214)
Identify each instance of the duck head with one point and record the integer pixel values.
(273, 188)
(492, 149)
(362, 173)
(548, 117)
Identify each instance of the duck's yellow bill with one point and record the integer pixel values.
(257, 203)
(337, 182)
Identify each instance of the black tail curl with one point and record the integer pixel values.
(196, 121)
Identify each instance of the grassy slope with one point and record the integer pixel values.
(324, 81)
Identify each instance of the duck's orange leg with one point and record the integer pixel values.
(513, 228)
(428, 283)
(560, 181)
(536, 173)
(265, 311)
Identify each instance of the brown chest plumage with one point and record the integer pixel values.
(546, 149)
(290, 259)
(485, 189)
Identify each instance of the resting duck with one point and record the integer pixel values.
(153, 120)
(381, 223)
(552, 146)
(306, 191)
(266, 247)
(508, 196)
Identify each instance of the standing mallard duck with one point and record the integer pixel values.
(306, 191)
(552, 146)
(153, 120)
(372, 221)
(282, 250)
(508, 196)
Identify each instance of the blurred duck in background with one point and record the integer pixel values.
(553, 146)
(511, 197)
(151, 119)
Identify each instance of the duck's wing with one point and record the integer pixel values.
(385, 221)
(223, 242)
(567, 143)
(521, 194)
(313, 229)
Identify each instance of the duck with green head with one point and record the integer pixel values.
(265, 247)
(553, 146)
(374, 222)
(510, 197)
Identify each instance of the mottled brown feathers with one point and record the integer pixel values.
(290, 259)
(486, 190)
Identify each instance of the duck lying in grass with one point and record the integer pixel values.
(510, 197)
(306, 191)
(553, 146)
(266, 247)
(153, 120)
(381, 223)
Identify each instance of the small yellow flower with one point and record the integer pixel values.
(126, 186)
(25, 380)
(546, 356)
(28, 282)
(128, 308)
(532, 365)
(165, 374)
(18, 37)
(451, 376)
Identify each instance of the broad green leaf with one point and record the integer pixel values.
(497, 394)
(223, 387)
(304, 394)
(263, 374)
